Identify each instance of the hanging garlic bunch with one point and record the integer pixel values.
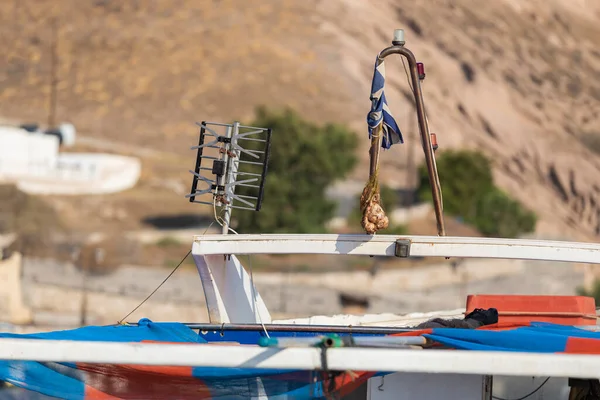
(374, 217)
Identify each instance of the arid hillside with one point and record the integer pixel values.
(516, 79)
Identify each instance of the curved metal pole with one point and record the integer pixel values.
(424, 130)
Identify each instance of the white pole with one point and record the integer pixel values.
(338, 359)
(385, 245)
(232, 169)
(231, 164)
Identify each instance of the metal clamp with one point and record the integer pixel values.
(402, 248)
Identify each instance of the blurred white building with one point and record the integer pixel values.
(32, 160)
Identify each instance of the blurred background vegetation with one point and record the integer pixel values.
(469, 192)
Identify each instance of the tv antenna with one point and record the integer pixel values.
(230, 156)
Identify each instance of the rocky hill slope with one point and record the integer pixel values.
(517, 80)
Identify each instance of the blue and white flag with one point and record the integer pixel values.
(380, 112)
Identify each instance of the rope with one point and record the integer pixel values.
(220, 221)
(120, 322)
(158, 287)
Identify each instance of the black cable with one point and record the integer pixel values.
(527, 395)
(158, 287)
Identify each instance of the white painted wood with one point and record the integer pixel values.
(230, 295)
(384, 245)
(411, 386)
(217, 311)
(357, 359)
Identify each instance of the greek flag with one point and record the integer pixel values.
(380, 112)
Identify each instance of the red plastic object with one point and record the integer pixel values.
(434, 143)
(565, 310)
(421, 70)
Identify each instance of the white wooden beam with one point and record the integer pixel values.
(357, 359)
(229, 291)
(385, 245)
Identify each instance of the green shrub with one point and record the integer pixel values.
(305, 159)
(469, 192)
(499, 215)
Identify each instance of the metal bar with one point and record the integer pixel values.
(241, 200)
(198, 163)
(231, 173)
(337, 359)
(424, 130)
(251, 127)
(237, 183)
(243, 208)
(252, 152)
(331, 342)
(249, 174)
(385, 245)
(263, 174)
(251, 162)
(253, 139)
(253, 132)
(202, 178)
(295, 328)
(211, 132)
(207, 145)
(246, 185)
(203, 202)
(215, 123)
(199, 193)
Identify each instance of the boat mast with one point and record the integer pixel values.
(414, 70)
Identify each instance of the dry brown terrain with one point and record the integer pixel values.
(516, 79)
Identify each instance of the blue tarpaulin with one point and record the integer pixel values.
(101, 381)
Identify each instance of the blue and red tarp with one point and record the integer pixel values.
(534, 337)
(108, 381)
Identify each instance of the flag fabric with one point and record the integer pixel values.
(380, 113)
